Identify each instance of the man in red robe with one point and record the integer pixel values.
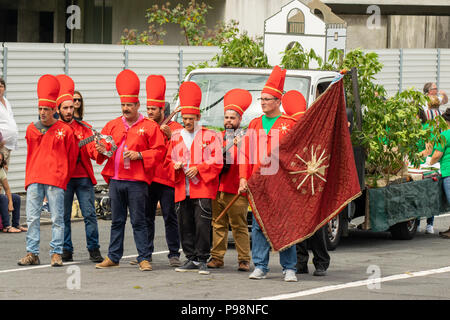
(236, 101)
(263, 137)
(197, 159)
(130, 170)
(82, 180)
(51, 158)
(162, 187)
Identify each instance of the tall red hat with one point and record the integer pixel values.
(47, 90)
(238, 100)
(275, 83)
(156, 90)
(128, 84)
(190, 98)
(66, 88)
(294, 104)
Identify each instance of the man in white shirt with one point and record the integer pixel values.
(8, 126)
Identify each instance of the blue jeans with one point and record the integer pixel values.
(131, 195)
(84, 189)
(166, 197)
(4, 204)
(446, 186)
(261, 251)
(35, 195)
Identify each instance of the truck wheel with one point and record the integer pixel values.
(334, 231)
(404, 230)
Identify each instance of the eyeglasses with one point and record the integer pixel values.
(267, 99)
(76, 99)
(435, 88)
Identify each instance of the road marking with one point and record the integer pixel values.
(67, 263)
(360, 283)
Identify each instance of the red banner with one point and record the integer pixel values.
(317, 175)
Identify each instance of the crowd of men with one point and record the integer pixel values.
(193, 172)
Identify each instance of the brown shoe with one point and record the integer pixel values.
(29, 259)
(215, 263)
(56, 260)
(445, 235)
(107, 263)
(144, 265)
(244, 266)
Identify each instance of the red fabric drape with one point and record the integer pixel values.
(317, 175)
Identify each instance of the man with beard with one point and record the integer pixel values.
(236, 101)
(162, 187)
(82, 180)
(197, 159)
(130, 170)
(51, 158)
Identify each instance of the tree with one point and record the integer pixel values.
(190, 18)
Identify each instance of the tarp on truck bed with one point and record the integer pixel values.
(401, 202)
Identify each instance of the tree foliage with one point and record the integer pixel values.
(391, 131)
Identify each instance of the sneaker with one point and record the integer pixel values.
(244, 266)
(144, 265)
(320, 273)
(289, 275)
(202, 268)
(189, 266)
(29, 259)
(215, 263)
(257, 274)
(45, 207)
(174, 261)
(95, 256)
(56, 260)
(66, 256)
(429, 229)
(107, 263)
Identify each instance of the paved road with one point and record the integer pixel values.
(410, 269)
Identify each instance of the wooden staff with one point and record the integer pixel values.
(228, 207)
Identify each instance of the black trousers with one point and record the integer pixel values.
(318, 245)
(165, 195)
(194, 224)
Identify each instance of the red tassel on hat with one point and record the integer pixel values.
(66, 88)
(275, 84)
(238, 100)
(294, 104)
(190, 98)
(156, 90)
(128, 84)
(47, 90)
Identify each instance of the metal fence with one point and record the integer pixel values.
(95, 67)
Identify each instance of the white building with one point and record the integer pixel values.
(314, 26)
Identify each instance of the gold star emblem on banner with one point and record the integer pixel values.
(315, 167)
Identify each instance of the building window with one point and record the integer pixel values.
(296, 22)
(8, 25)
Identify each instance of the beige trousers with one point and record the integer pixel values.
(236, 217)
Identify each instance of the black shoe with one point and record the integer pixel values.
(189, 266)
(302, 269)
(95, 256)
(320, 273)
(66, 256)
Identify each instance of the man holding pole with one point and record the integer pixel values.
(236, 101)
